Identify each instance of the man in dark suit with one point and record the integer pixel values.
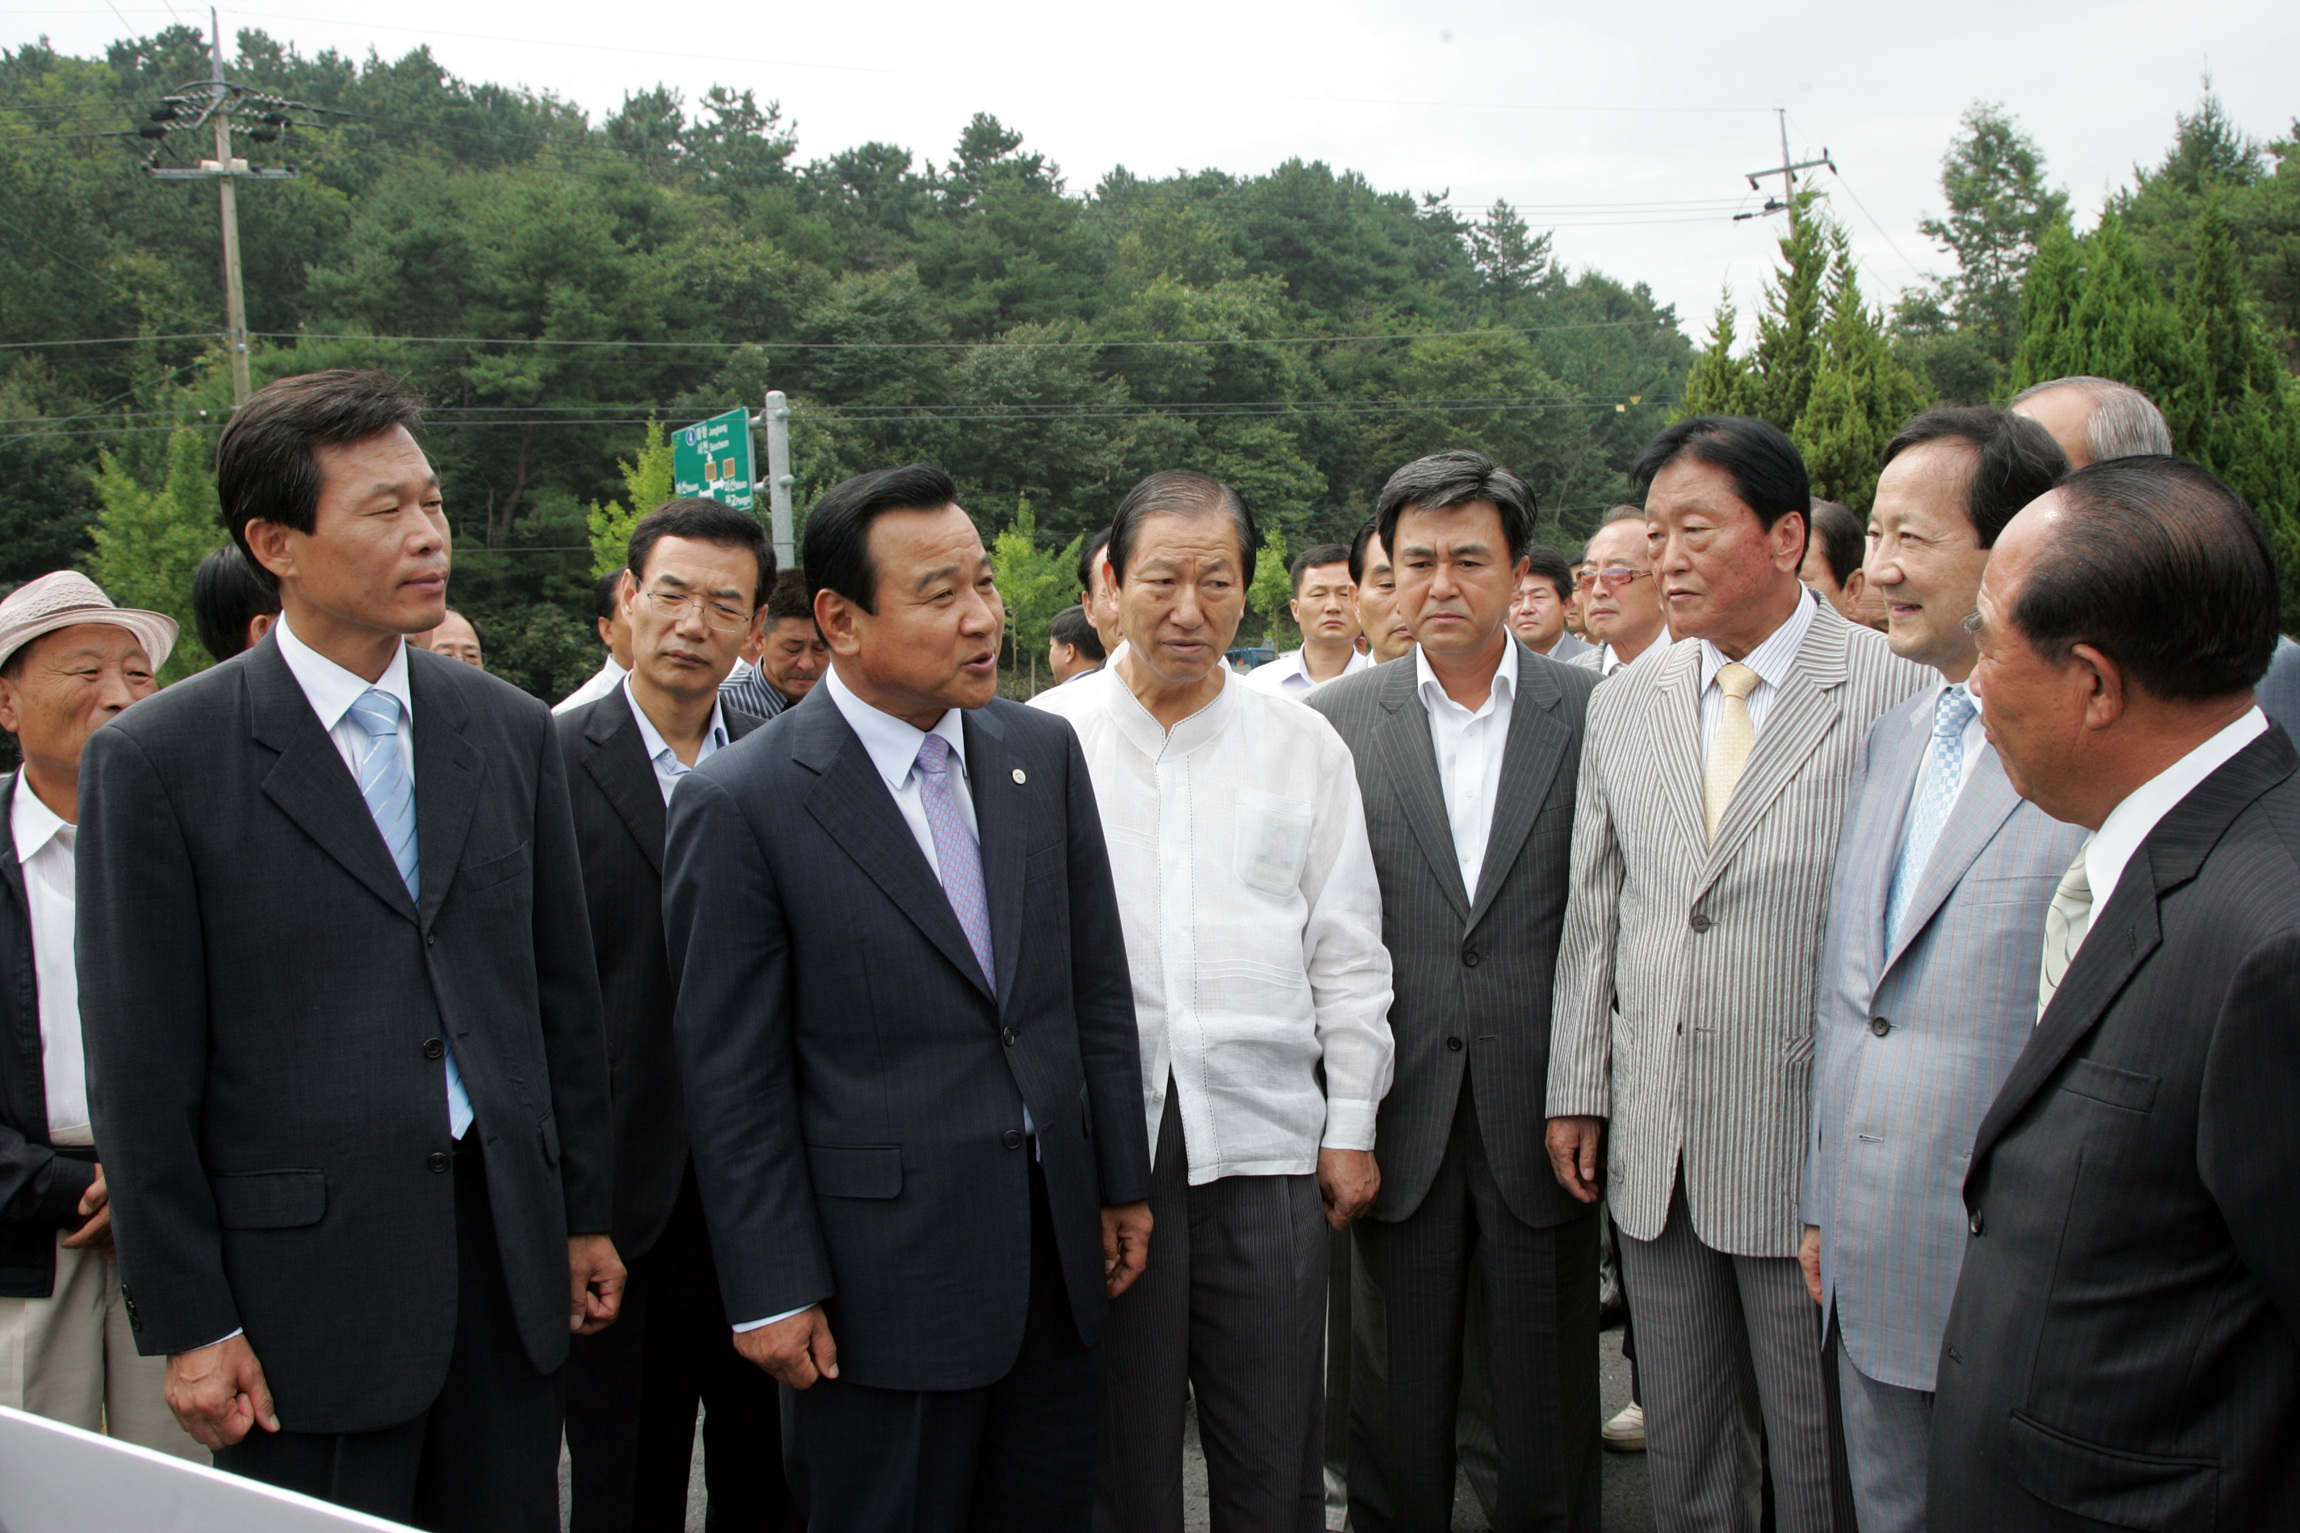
(2124, 1345)
(343, 1028)
(699, 570)
(1467, 752)
(907, 1030)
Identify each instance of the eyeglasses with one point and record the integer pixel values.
(716, 615)
(1614, 578)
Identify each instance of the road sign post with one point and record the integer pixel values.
(712, 459)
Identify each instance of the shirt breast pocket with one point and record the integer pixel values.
(1273, 842)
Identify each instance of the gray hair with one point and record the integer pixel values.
(1625, 512)
(2124, 423)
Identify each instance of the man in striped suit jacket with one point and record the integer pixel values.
(1928, 980)
(1712, 791)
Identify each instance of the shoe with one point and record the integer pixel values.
(1625, 1433)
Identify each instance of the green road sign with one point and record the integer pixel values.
(713, 459)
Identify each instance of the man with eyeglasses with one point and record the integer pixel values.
(1620, 605)
(700, 575)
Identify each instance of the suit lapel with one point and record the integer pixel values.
(854, 808)
(1800, 718)
(314, 788)
(11, 871)
(1409, 759)
(2128, 928)
(1004, 832)
(1675, 721)
(1529, 762)
(615, 758)
(448, 772)
(1981, 810)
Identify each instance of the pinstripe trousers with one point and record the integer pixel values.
(1729, 1358)
(1231, 1311)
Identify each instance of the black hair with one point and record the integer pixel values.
(1458, 478)
(706, 521)
(1089, 554)
(1767, 473)
(836, 554)
(230, 591)
(1316, 556)
(606, 591)
(1366, 534)
(2015, 460)
(1551, 566)
(789, 598)
(1071, 626)
(1182, 492)
(265, 468)
(2163, 569)
(1843, 540)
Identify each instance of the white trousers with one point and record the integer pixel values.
(72, 1358)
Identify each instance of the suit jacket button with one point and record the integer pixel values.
(1012, 1139)
(433, 1048)
(430, 939)
(1454, 1044)
(1007, 1036)
(1701, 921)
(1469, 957)
(437, 1160)
(1974, 1223)
(1880, 1026)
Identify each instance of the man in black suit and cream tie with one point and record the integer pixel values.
(906, 1027)
(342, 1021)
(700, 572)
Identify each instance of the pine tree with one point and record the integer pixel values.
(1787, 354)
(2048, 309)
(1719, 381)
(1861, 394)
(2125, 328)
(148, 541)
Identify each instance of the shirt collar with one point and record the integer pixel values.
(2113, 846)
(31, 822)
(1433, 693)
(893, 743)
(1777, 656)
(651, 739)
(329, 688)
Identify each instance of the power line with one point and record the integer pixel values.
(1095, 345)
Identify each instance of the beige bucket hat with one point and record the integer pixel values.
(68, 597)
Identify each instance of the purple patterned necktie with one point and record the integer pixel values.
(955, 852)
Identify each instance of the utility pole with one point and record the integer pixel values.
(213, 103)
(779, 478)
(1787, 171)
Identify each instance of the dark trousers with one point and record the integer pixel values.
(1229, 1312)
(485, 1457)
(632, 1391)
(1541, 1327)
(1015, 1456)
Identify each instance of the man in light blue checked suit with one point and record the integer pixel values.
(1929, 979)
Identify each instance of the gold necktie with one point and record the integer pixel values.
(1729, 753)
(2065, 922)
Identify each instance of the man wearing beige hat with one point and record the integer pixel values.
(69, 662)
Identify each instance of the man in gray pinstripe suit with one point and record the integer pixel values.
(1928, 980)
(1712, 790)
(1466, 752)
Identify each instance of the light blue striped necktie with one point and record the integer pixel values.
(1929, 811)
(390, 795)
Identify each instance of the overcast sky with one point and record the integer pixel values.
(1627, 128)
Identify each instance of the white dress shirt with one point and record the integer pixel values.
(1771, 660)
(603, 681)
(331, 690)
(2111, 847)
(44, 851)
(1469, 749)
(1289, 674)
(1253, 922)
(668, 767)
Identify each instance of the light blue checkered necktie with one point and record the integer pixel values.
(390, 795)
(1929, 811)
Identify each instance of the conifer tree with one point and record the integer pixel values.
(149, 540)
(1861, 394)
(1719, 381)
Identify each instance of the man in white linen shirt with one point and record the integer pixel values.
(1253, 926)
(70, 662)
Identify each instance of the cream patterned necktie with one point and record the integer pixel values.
(2065, 923)
(1729, 752)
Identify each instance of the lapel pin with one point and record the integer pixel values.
(1020, 775)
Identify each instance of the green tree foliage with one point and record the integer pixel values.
(1272, 587)
(1035, 583)
(149, 538)
(647, 484)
